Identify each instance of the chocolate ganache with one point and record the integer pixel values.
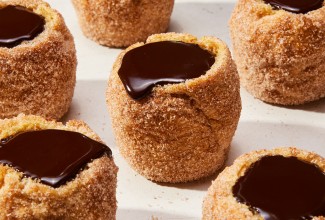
(281, 188)
(162, 63)
(18, 24)
(52, 156)
(296, 6)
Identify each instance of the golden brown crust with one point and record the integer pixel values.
(279, 54)
(120, 23)
(181, 132)
(38, 76)
(220, 204)
(91, 195)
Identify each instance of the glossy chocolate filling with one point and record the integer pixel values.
(281, 188)
(296, 6)
(18, 24)
(162, 63)
(52, 156)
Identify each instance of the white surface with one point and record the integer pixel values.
(261, 125)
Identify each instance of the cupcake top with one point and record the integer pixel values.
(41, 148)
(52, 156)
(163, 62)
(28, 24)
(48, 152)
(279, 187)
(278, 184)
(296, 6)
(18, 24)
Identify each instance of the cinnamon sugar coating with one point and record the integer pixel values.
(280, 55)
(38, 76)
(180, 132)
(220, 203)
(91, 195)
(120, 23)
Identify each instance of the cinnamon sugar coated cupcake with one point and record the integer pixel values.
(175, 104)
(53, 171)
(278, 184)
(120, 23)
(37, 60)
(279, 49)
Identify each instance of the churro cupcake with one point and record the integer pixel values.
(175, 104)
(284, 183)
(120, 23)
(53, 171)
(279, 49)
(37, 60)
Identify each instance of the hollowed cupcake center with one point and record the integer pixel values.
(52, 156)
(18, 24)
(162, 63)
(283, 188)
(296, 6)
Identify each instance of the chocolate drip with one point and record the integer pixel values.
(52, 156)
(18, 24)
(296, 6)
(281, 188)
(162, 63)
